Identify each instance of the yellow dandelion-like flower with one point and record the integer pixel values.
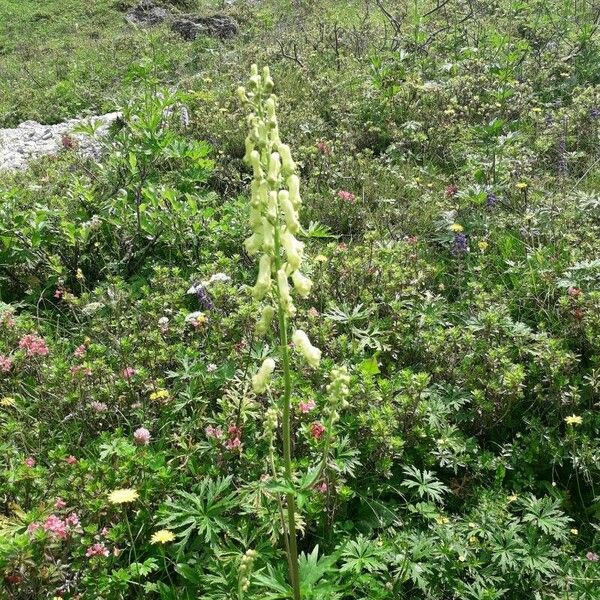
(123, 496)
(456, 228)
(483, 245)
(512, 498)
(522, 185)
(573, 420)
(473, 540)
(320, 258)
(161, 395)
(79, 274)
(462, 558)
(8, 401)
(163, 536)
(574, 531)
(442, 520)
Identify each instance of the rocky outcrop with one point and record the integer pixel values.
(188, 26)
(31, 140)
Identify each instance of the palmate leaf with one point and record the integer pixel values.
(203, 512)
(362, 555)
(545, 514)
(425, 483)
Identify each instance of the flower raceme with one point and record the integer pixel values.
(274, 205)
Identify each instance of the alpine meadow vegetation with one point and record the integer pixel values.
(329, 331)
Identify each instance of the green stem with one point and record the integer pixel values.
(286, 429)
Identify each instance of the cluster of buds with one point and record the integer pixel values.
(271, 418)
(245, 570)
(338, 391)
(275, 201)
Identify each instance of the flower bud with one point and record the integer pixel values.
(254, 243)
(255, 161)
(263, 282)
(265, 320)
(260, 381)
(274, 168)
(304, 347)
(302, 284)
(293, 249)
(287, 163)
(285, 300)
(272, 206)
(293, 183)
(249, 142)
(255, 219)
(268, 240)
(289, 213)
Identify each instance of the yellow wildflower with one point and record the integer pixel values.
(512, 498)
(483, 245)
(123, 496)
(522, 185)
(442, 520)
(162, 537)
(573, 420)
(79, 274)
(7, 401)
(320, 258)
(462, 558)
(574, 531)
(456, 227)
(161, 395)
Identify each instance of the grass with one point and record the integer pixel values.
(63, 58)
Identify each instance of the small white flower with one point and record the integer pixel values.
(219, 278)
(211, 367)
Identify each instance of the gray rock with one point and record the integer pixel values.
(31, 140)
(147, 13)
(188, 26)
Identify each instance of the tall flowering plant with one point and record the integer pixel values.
(274, 220)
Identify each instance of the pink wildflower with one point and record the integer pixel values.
(213, 432)
(81, 370)
(592, 556)
(7, 319)
(234, 443)
(33, 345)
(60, 503)
(97, 549)
(451, 190)
(128, 372)
(322, 487)
(323, 148)
(71, 460)
(56, 526)
(346, 196)
(33, 527)
(104, 531)
(574, 292)
(58, 294)
(6, 363)
(30, 462)
(234, 431)
(72, 520)
(80, 351)
(141, 436)
(317, 430)
(99, 407)
(313, 312)
(306, 407)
